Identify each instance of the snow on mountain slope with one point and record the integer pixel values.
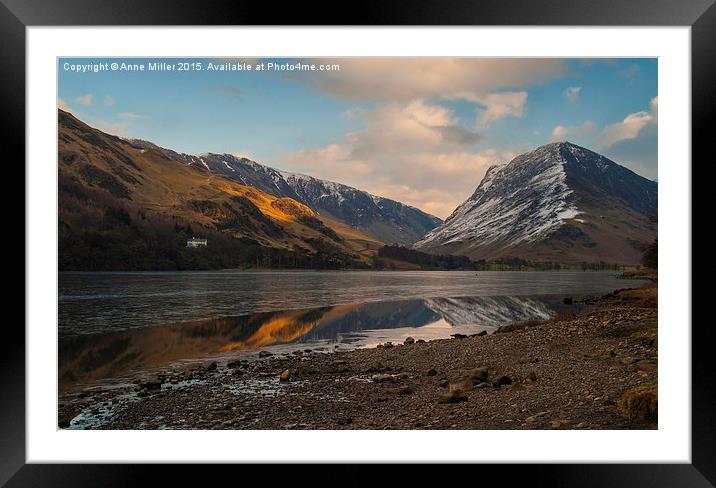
(384, 219)
(559, 202)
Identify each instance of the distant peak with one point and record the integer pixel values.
(558, 145)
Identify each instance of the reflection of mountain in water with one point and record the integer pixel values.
(90, 357)
(490, 312)
(87, 357)
(372, 316)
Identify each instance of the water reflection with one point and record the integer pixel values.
(83, 358)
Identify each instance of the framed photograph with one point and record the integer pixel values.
(430, 236)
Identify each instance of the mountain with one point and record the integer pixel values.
(387, 220)
(128, 205)
(384, 219)
(560, 202)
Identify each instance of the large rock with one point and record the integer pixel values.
(477, 375)
(464, 385)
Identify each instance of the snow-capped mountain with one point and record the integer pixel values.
(560, 202)
(386, 220)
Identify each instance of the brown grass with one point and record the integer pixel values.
(640, 402)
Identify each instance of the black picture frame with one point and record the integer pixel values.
(16, 15)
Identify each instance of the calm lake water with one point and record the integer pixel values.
(114, 323)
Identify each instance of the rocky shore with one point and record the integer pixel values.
(593, 370)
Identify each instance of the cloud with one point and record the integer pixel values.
(411, 146)
(108, 101)
(434, 182)
(404, 79)
(501, 105)
(631, 126)
(61, 104)
(414, 152)
(639, 154)
(628, 128)
(393, 127)
(564, 133)
(572, 93)
(633, 142)
(84, 99)
(654, 106)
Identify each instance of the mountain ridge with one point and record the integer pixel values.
(560, 202)
(384, 219)
(132, 206)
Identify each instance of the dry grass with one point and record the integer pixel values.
(640, 402)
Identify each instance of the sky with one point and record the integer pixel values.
(422, 131)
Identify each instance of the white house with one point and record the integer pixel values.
(196, 242)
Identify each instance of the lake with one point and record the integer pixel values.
(112, 324)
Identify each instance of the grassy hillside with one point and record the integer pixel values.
(128, 208)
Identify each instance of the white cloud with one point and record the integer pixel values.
(84, 99)
(436, 182)
(631, 126)
(654, 106)
(411, 147)
(404, 79)
(501, 105)
(572, 93)
(413, 152)
(108, 101)
(395, 127)
(564, 133)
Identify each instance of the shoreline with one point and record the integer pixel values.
(626, 274)
(569, 372)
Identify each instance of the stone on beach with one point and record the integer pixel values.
(477, 375)
(463, 386)
(502, 380)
